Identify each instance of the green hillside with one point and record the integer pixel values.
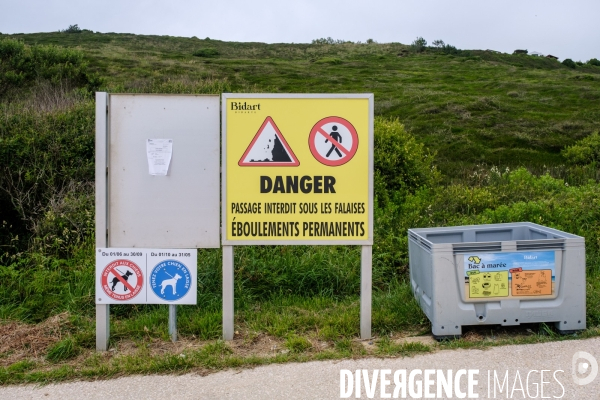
(461, 137)
(471, 106)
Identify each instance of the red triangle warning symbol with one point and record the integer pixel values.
(269, 149)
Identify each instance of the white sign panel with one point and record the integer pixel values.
(163, 181)
(146, 276)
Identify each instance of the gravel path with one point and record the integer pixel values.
(521, 364)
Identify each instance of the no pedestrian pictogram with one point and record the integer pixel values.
(269, 149)
(122, 280)
(333, 141)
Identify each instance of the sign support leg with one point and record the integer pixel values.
(366, 288)
(102, 310)
(228, 306)
(173, 322)
(102, 326)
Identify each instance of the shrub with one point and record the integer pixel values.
(569, 63)
(401, 164)
(67, 221)
(46, 173)
(585, 151)
(209, 52)
(21, 66)
(73, 29)
(594, 61)
(402, 167)
(330, 40)
(449, 49)
(419, 44)
(439, 43)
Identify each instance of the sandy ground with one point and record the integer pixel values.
(521, 365)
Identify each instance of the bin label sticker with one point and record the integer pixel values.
(532, 283)
(511, 274)
(489, 284)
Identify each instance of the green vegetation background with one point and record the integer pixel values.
(461, 137)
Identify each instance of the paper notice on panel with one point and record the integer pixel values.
(159, 153)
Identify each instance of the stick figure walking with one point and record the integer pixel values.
(335, 135)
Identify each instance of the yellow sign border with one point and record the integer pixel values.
(224, 161)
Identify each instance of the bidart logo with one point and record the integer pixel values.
(475, 259)
(239, 106)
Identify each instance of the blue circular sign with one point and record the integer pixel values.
(170, 280)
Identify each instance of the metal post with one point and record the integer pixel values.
(173, 322)
(228, 307)
(366, 288)
(102, 326)
(102, 310)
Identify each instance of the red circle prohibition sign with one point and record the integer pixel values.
(333, 141)
(126, 275)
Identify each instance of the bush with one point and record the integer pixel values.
(402, 167)
(401, 164)
(47, 174)
(419, 44)
(594, 61)
(585, 151)
(73, 29)
(449, 49)
(67, 221)
(569, 63)
(21, 66)
(330, 40)
(206, 53)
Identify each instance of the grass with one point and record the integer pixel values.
(149, 356)
(472, 107)
(484, 141)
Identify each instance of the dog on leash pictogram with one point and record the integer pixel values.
(170, 280)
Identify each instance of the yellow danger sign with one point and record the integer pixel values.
(297, 169)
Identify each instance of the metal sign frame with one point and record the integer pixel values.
(103, 195)
(103, 204)
(366, 245)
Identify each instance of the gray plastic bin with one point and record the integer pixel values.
(505, 274)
